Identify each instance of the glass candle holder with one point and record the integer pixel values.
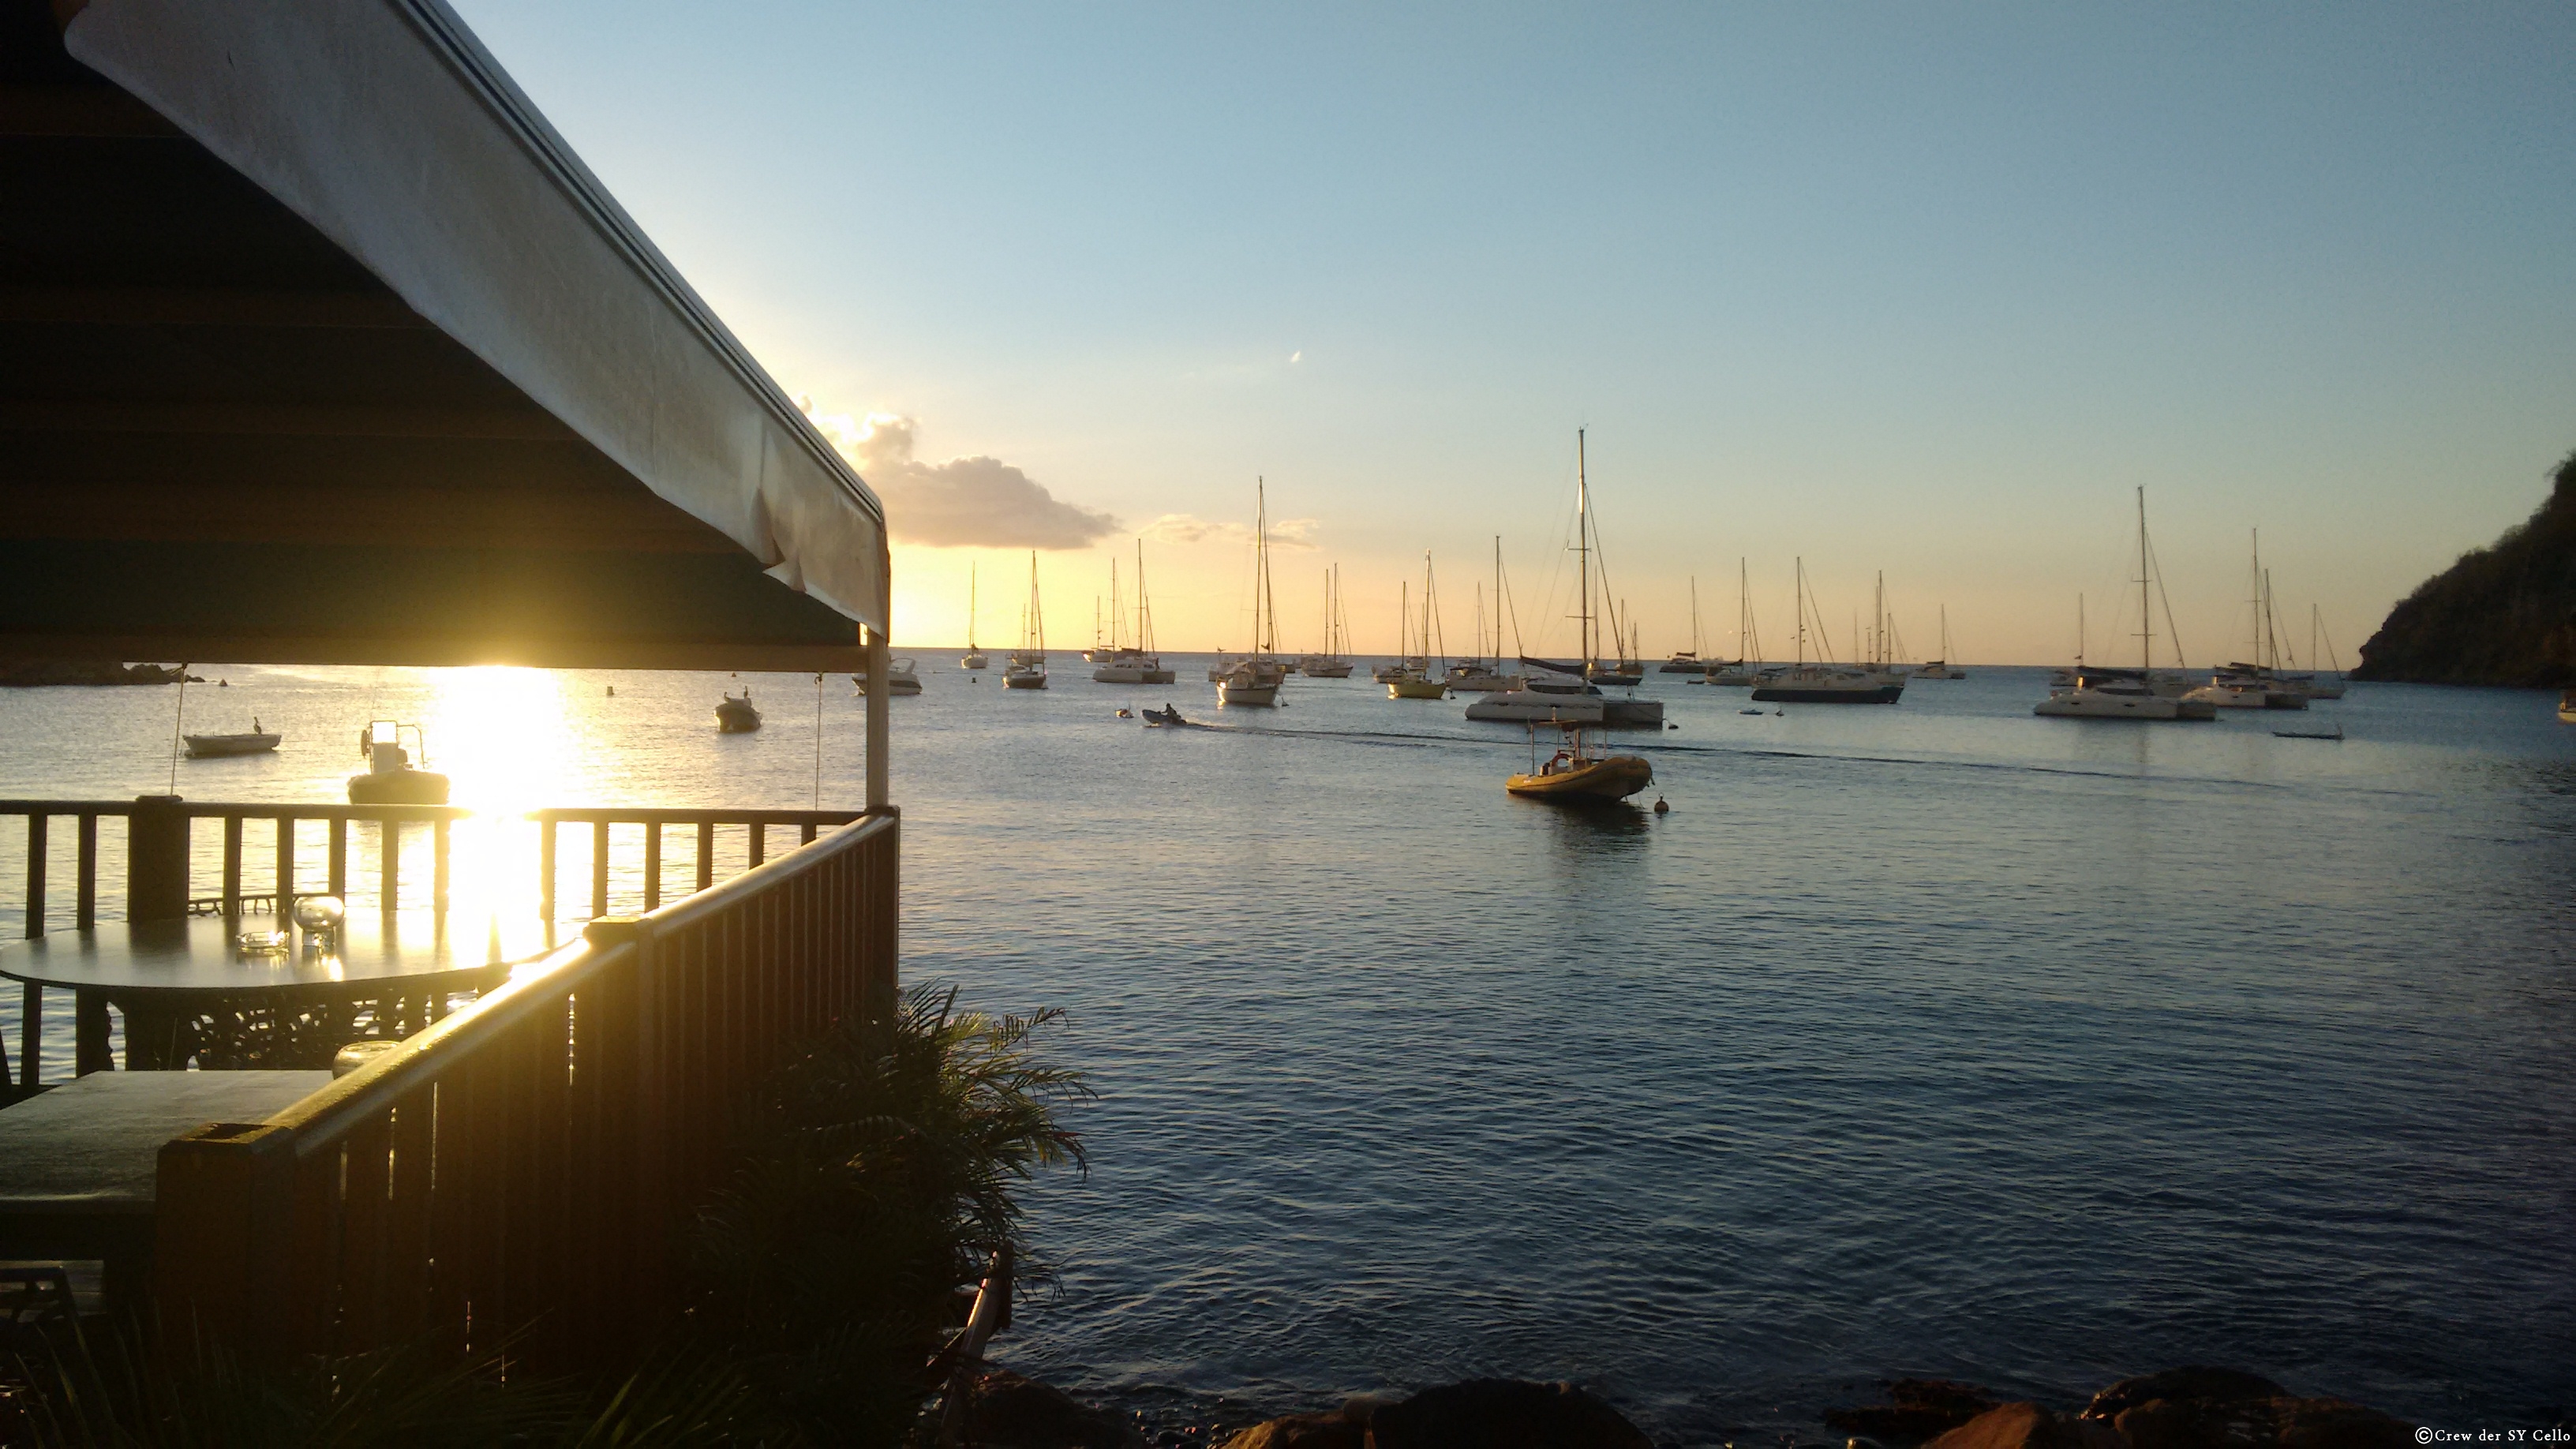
(320, 916)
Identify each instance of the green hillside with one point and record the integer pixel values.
(2504, 614)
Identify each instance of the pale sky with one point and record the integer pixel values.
(1914, 288)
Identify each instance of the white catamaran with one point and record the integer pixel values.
(1136, 663)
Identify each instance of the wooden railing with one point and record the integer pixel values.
(160, 874)
(511, 1176)
(265, 869)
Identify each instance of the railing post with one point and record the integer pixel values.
(85, 909)
(233, 865)
(340, 856)
(545, 867)
(388, 863)
(652, 864)
(285, 865)
(35, 874)
(599, 868)
(883, 886)
(640, 1113)
(156, 860)
(221, 1218)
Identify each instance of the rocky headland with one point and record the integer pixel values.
(38, 674)
(2503, 615)
(2184, 1408)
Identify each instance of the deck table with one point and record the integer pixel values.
(78, 1164)
(187, 990)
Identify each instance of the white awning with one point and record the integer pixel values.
(386, 125)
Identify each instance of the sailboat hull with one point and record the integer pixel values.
(1417, 689)
(1238, 693)
(1829, 694)
(1521, 706)
(1132, 674)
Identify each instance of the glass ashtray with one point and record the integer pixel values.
(262, 943)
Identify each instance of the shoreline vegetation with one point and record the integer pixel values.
(2503, 615)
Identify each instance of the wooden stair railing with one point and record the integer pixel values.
(510, 1175)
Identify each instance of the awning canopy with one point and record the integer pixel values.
(318, 345)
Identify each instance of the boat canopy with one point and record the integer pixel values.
(321, 345)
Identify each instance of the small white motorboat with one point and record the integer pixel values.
(389, 778)
(901, 679)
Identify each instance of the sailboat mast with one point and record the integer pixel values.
(2146, 616)
(1583, 548)
(1801, 590)
(1144, 607)
(1037, 608)
(1694, 586)
(2255, 600)
(1263, 614)
(970, 606)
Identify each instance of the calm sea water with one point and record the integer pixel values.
(1937, 1039)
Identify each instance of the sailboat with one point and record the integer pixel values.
(1330, 664)
(1393, 669)
(1621, 710)
(1484, 673)
(2118, 693)
(974, 657)
(1688, 660)
(2319, 686)
(1028, 663)
(1135, 663)
(1940, 668)
(1748, 638)
(1419, 679)
(2255, 686)
(1255, 680)
(1823, 681)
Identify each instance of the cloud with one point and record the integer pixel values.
(1184, 528)
(975, 502)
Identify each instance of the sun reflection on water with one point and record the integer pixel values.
(503, 737)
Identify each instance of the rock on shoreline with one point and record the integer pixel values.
(2184, 1408)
